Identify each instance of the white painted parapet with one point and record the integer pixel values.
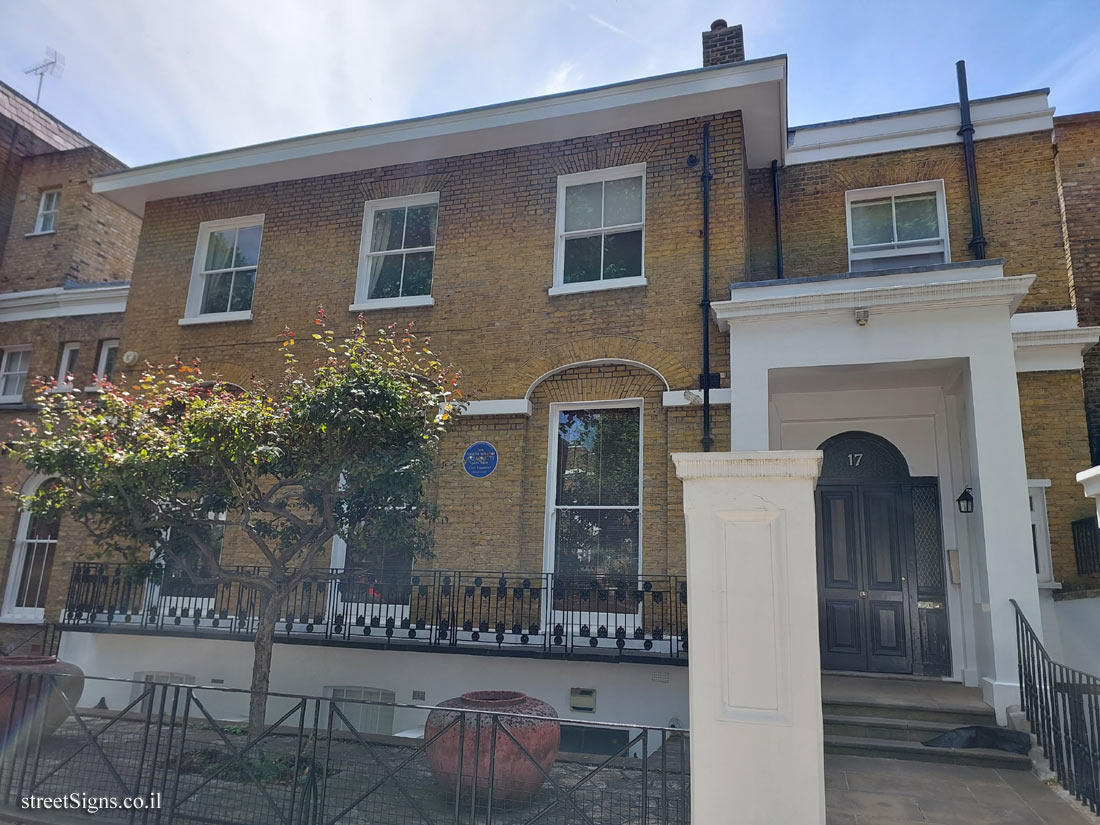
(1090, 480)
(754, 672)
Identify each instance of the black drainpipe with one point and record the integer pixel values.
(704, 379)
(977, 241)
(778, 221)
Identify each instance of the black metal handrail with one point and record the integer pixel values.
(542, 613)
(1062, 706)
(319, 761)
(1086, 546)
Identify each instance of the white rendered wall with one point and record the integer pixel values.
(1077, 622)
(627, 693)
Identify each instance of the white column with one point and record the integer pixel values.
(1003, 523)
(754, 670)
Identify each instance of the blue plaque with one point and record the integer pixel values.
(480, 459)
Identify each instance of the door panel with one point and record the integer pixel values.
(842, 629)
(840, 572)
(888, 611)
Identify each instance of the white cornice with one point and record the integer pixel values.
(759, 464)
(59, 302)
(902, 291)
(1049, 350)
(934, 126)
(756, 87)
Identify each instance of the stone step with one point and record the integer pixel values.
(955, 715)
(915, 751)
(885, 727)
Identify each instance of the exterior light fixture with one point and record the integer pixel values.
(966, 501)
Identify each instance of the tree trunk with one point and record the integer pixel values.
(261, 663)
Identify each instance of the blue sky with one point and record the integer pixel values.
(152, 80)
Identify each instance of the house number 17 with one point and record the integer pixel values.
(855, 459)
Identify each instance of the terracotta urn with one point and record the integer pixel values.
(32, 685)
(516, 774)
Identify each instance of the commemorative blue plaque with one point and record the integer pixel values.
(480, 459)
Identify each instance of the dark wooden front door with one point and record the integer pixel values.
(880, 562)
(865, 616)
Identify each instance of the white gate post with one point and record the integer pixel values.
(754, 665)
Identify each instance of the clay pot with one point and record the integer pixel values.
(32, 685)
(515, 774)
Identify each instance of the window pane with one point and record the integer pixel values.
(582, 259)
(215, 297)
(385, 276)
(109, 362)
(19, 360)
(12, 385)
(418, 272)
(622, 255)
(49, 201)
(219, 249)
(69, 365)
(420, 226)
(583, 206)
(598, 457)
(46, 222)
(248, 246)
(590, 543)
(389, 224)
(872, 222)
(917, 217)
(622, 201)
(241, 297)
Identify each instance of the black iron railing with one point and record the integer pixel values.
(319, 761)
(540, 613)
(1063, 707)
(1086, 546)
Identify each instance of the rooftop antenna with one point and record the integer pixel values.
(53, 65)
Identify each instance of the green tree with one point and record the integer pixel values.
(343, 447)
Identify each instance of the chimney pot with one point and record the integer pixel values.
(718, 25)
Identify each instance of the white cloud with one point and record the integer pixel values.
(561, 79)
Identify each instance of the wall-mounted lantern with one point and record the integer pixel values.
(966, 501)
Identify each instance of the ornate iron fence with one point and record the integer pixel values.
(1063, 707)
(1086, 546)
(541, 613)
(169, 752)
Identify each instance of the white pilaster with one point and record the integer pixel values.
(754, 671)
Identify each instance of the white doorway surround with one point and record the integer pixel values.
(943, 331)
(754, 674)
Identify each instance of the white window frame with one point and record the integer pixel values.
(1040, 531)
(63, 384)
(548, 559)
(193, 312)
(362, 278)
(895, 248)
(43, 212)
(632, 170)
(24, 615)
(4, 372)
(101, 363)
(384, 698)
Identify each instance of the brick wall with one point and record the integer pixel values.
(94, 239)
(1021, 215)
(1056, 447)
(1078, 164)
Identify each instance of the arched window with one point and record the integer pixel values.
(31, 562)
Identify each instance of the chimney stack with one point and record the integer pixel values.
(723, 44)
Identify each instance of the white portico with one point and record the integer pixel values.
(906, 379)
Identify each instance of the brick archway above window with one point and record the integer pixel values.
(595, 351)
(228, 373)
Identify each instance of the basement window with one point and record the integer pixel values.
(223, 275)
(397, 252)
(600, 230)
(897, 226)
(364, 718)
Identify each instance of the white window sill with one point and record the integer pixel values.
(36, 234)
(11, 399)
(6, 619)
(390, 303)
(1050, 585)
(597, 286)
(217, 318)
